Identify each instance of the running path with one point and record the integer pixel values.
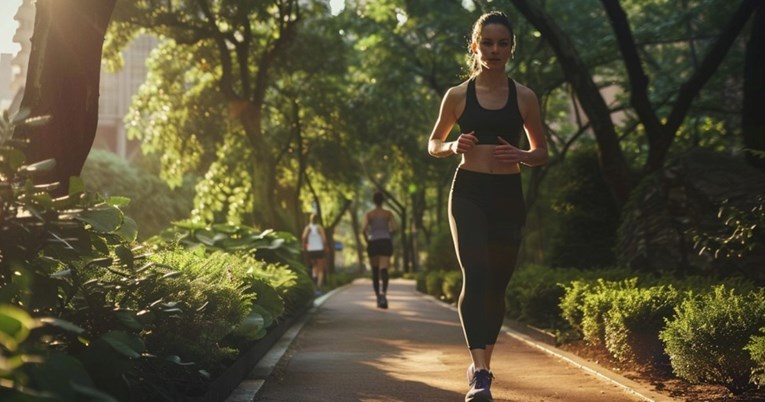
(349, 350)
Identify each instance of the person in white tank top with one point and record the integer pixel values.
(314, 241)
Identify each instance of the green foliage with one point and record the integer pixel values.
(744, 232)
(756, 349)
(212, 300)
(597, 304)
(682, 201)
(268, 245)
(270, 256)
(441, 254)
(538, 294)
(706, 339)
(434, 283)
(153, 204)
(633, 323)
(52, 254)
(585, 214)
(578, 286)
(451, 286)
(572, 301)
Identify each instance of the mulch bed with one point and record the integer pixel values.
(661, 379)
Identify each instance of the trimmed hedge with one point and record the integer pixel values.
(707, 339)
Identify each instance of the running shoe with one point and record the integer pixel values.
(382, 301)
(480, 387)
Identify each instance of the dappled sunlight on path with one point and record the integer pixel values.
(350, 350)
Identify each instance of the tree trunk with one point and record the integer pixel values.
(612, 163)
(661, 136)
(63, 83)
(753, 111)
(354, 212)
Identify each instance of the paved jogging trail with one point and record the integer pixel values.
(346, 349)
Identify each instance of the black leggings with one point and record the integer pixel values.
(487, 213)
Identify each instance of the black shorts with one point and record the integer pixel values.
(380, 248)
(315, 255)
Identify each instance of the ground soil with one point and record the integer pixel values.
(661, 378)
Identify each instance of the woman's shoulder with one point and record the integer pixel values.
(458, 90)
(524, 92)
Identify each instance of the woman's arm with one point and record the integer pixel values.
(304, 237)
(365, 226)
(532, 124)
(447, 118)
(392, 226)
(324, 238)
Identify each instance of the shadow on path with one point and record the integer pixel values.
(349, 350)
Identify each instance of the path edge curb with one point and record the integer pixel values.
(251, 385)
(629, 386)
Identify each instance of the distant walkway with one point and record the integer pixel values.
(349, 350)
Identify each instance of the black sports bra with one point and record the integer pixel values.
(490, 123)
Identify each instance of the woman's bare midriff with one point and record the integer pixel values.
(481, 159)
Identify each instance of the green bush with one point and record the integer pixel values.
(153, 204)
(280, 251)
(756, 349)
(441, 254)
(199, 308)
(584, 213)
(706, 340)
(451, 286)
(70, 267)
(633, 324)
(533, 294)
(421, 281)
(595, 306)
(572, 301)
(434, 283)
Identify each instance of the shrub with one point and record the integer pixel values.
(572, 302)
(279, 251)
(633, 324)
(441, 254)
(706, 340)
(533, 294)
(597, 304)
(756, 349)
(153, 204)
(452, 286)
(421, 281)
(585, 214)
(434, 283)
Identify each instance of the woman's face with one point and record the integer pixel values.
(494, 46)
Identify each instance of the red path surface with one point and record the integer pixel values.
(349, 350)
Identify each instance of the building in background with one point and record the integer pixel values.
(6, 75)
(117, 90)
(26, 19)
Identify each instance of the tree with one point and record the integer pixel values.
(235, 46)
(577, 73)
(753, 111)
(661, 135)
(403, 44)
(63, 83)
(612, 161)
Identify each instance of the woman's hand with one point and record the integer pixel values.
(464, 143)
(506, 152)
